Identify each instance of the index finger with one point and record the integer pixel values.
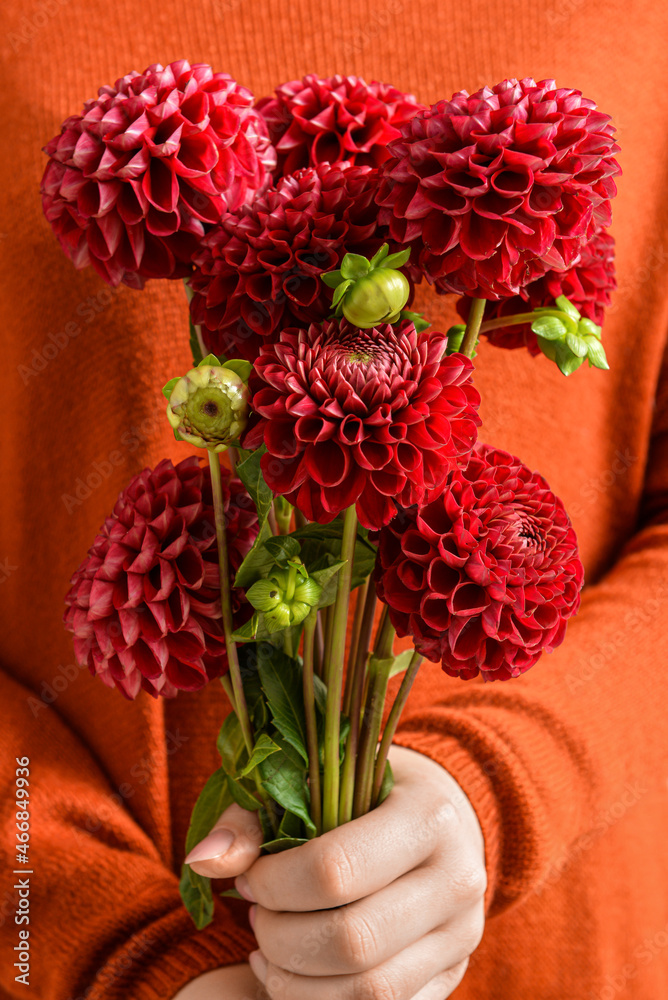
(346, 864)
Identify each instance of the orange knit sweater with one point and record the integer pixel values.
(567, 766)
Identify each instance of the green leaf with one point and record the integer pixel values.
(319, 539)
(240, 367)
(282, 844)
(197, 896)
(230, 743)
(327, 579)
(596, 353)
(354, 266)
(282, 547)
(340, 291)
(250, 474)
(564, 305)
(211, 361)
(576, 345)
(264, 747)
(281, 679)
(567, 362)
(249, 631)
(320, 692)
(549, 328)
(387, 784)
(258, 561)
(167, 389)
(286, 783)
(213, 800)
(241, 795)
(332, 278)
(396, 260)
(231, 893)
(401, 662)
(195, 349)
(417, 319)
(291, 826)
(379, 256)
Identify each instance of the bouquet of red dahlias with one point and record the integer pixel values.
(354, 472)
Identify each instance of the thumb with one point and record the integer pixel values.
(231, 847)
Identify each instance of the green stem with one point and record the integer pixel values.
(354, 639)
(473, 327)
(226, 604)
(373, 716)
(283, 513)
(392, 723)
(311, 725)
(319, 651)
(336, 656)
(384, 636)
(517, 319)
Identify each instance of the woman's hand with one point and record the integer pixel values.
(387, 907)
(235, 982)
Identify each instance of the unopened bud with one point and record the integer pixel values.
(208, 407)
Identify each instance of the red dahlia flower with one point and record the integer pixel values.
(588, 285)
(314, 121)
(132, 184)
(374, 418)
(144, 605)
(484, 576)
(259, 270)
(497, 188)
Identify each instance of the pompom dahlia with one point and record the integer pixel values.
(373, 417)
(132, 184)
(144, 605)
(259, 270)
(589, 285)
(315, 120)
(484, 576)
(496, 188)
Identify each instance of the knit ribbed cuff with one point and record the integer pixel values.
(476, 785)
(157, 962)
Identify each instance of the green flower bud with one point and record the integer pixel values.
(286, 597)
(208, 407)
(264, 595)
(369, 292)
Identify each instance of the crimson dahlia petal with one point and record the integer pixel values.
(588, 285)
(485, 575)
(144, 605)
(374, 418)
(494, 189)
(259, 270)
(316, 120)
(132, 185)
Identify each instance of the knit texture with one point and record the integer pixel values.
(565, 765)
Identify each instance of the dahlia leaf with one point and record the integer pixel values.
(167, 389)
(230, 894)
(379, 256)
(401, 662)
(248, 631)
(213, 800)
(197, 897)
(230, 744)
(239, 367)
(195, 349)
(332, 278)
(596, 354)
(396, 260)
(319, 539)
(282, 548)
(286, 783)
(549, 328)
(264, 747)
(281, 680)
(258, 560)
(576, 345)
(354, 266)
(327, 579)
(250, 474)
(387, 784)
(241, 795)
(282, 844)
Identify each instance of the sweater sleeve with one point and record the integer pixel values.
(545, 757)
(126, 935)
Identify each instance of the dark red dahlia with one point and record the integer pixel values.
(144, 605)
(133, 183)
(484, 576)
(314, 121)
(497, 188)
(259, 270)
(374, 418)
(589, 285)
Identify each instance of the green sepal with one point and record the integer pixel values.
(240, 367)
(548, 347)
(332, 278)
(282, 844)
(576, 345)
(596, 353)
(354, 266)
(567, 362)
(177, 436)
(264, 747)
(340, 291)
(549, 328)
(247, 632)
(211, 361)
(397, 260)
(588, 328)
(417, 319)
(387, 783)
(379, 256)
(167, 389)
(563, 304)
(197, 896)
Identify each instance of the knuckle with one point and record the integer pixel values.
(334, 875)
(470, 884)
(356, 942)
(377, 985)
(472, 933)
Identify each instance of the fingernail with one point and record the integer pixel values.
(218, 842)
(258, 964)
(251, 916)
(244, 888)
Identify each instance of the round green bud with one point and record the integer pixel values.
(209, 407)
(376, 298)
(264, 595)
